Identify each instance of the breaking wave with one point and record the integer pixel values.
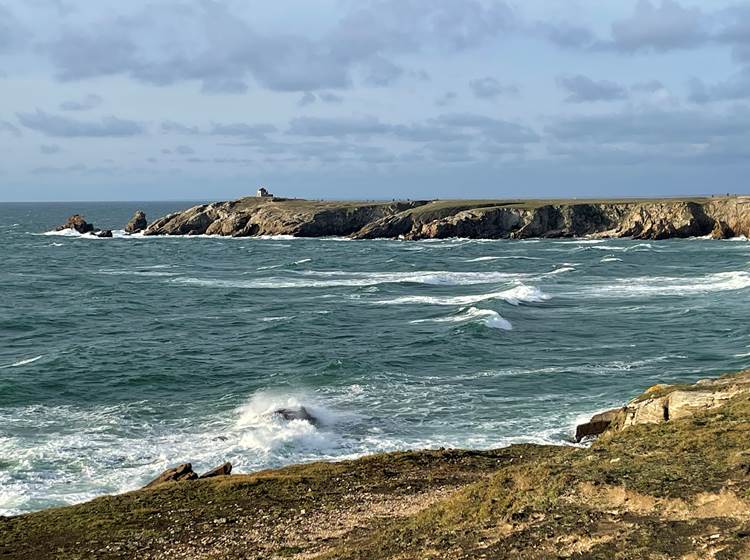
(488, 317)
(514, 296)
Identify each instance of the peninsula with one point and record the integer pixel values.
(669, 477)
(719, 217)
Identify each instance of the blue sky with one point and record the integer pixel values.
(207, 99)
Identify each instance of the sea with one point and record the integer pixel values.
(122, 357)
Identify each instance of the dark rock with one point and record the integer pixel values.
(598, 424)
(102, 233)
(221, 470)
(300, 413)
(77, 223)
(176, 474)
(722, 231)
(137, 223)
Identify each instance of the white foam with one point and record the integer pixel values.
(504, 257)
(318, 279)
(488, 317)
(610, 259)
(673, 286)
(301, 261)
(23, 362)
(561, 270)
(116, 234)
(514, 296)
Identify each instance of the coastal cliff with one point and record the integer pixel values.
(668, 478)
(719, 217)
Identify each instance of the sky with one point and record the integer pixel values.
(373, 99)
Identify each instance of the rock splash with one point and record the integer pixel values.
(718, 217)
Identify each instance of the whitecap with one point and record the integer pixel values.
(610, 259)
(561, 270)
(317, 279)
(514, 296)
(301, 261)
(23, 362)
(673, 286)
(488, 317)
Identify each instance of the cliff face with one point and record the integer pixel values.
(655, 485)
(641, 219)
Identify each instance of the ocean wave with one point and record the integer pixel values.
(116, 234)
(488, 317)
(560, 270)
(673, 286)
(22, 362)
(610, 259)
(514, 296)
(504, 257)
(317, 279)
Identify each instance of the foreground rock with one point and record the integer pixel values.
(719, 217)
(137, 223)
(300, 413)
(78, 223)
(653, 486)
(176, 474)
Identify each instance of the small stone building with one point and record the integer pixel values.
(263, 193)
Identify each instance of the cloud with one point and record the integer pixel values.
(582, 89)
(91, 101)
(308, 98)
(650, 127)
(253, 131)
(184, 150)
(649, 86)
(566, 35)
(63, 127)
(10, 128)
(448, 98)
(337, 126)
(50, 149)
(172, 127)
(208, 42)
(660, 27)
(734, 88)
(490, 88)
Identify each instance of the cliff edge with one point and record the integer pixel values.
(654, 485)
(719, 217)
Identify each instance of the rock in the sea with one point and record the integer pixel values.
(137, 223)
(178, 473)
(721, 231)
(102, 233)
(77, 223)
(300, 413)
(221, 470)
(598, 424)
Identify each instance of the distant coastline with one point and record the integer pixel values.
(718, 217)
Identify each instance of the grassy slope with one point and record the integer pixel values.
(674, 490)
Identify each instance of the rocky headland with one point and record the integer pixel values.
(718, 217)
(666, 476)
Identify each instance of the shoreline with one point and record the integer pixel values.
(673, 462)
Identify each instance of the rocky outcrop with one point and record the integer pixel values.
(221, 470)
(639, 219)
(665, 403)
(176, 474)
(137, 223)
(77, 223)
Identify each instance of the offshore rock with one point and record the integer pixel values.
(176, 474)
(137, 223)
(300, 413)
(719, 217)
(102, 233)
(77, 223)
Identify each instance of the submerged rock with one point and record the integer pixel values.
(221, 470)
(300, 413)
(102, 233)
(178, 473)
(77, 223)
(137, 223)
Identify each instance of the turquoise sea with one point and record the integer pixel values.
(120, 357)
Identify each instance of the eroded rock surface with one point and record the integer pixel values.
(137, 223)
(78, 223)
(719, 217)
